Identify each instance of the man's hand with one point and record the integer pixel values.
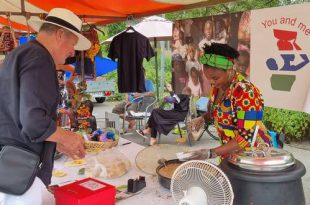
(69, 143)
(72, 144)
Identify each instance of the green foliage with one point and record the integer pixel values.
(151, 71)
(231, 7)
(109, 31)
(295, 125)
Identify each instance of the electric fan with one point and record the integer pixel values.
(199, 182)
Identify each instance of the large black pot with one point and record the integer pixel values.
(165, 181)
(263, 188)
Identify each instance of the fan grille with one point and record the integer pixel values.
(206, 176)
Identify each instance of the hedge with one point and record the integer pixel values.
(295, 125)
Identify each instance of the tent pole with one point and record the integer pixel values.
(162, 68)
(156, 69)
(82, 66)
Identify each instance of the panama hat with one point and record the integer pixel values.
(66, 19)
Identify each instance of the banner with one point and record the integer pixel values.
(190, 36)
(280, 40)
(274, 47)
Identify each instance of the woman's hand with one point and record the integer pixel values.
(201, 154)
(196, 123)
(169, 99)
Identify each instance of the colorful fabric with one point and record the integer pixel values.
(217, 61)
(92, 35)
(6, 42)
(237, 116)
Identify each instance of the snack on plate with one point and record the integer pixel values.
(59, 173)
(77, 162)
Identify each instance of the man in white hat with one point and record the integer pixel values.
(29, 95)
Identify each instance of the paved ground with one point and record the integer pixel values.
(206, 141)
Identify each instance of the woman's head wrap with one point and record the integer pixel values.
(219, 56)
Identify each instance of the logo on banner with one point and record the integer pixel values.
(289, 48)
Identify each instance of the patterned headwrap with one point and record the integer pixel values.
(217, 61)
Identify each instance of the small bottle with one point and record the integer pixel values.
(63, 116)
(65, 122)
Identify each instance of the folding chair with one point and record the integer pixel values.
(145, 108)
(112, 120)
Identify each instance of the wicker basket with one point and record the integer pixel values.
(95, 147)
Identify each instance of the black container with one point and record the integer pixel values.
(165, 181)
(266, 188)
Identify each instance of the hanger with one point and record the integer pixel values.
(92, 26)
(130, 29)
(130, 22)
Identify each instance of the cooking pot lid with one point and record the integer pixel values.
(263, 159)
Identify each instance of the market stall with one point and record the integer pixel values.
(67, 171)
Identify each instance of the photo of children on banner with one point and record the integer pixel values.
(243, 64)
(244, 31)
(208, 34)
(179, 74)
(192, 67)
(194, 82)
(221, 31)
(178, 40)
(231, 29)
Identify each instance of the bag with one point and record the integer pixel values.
(277, 139)
(18, 169)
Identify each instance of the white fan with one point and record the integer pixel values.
(199, 182)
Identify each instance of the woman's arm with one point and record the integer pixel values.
(226, 149)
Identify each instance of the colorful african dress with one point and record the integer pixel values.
(239, 112)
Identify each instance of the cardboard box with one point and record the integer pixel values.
(85, 192)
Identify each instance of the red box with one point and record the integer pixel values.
(85, 192)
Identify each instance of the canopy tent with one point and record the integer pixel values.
(95, 11)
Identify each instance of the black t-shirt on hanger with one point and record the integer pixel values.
(130, 48)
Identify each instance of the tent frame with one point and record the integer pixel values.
(115, 19)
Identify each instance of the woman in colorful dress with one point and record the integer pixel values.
(235, 105)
